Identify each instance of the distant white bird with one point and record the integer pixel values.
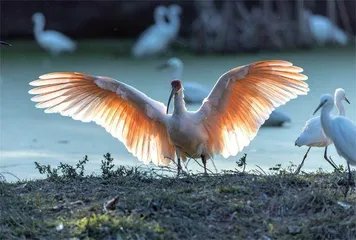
(241, 100)
(156, 39)
(341, 130)
(312, 134)
(50, 40)
(174, 12)
(195, 93)
(5, 43)
(324, 31)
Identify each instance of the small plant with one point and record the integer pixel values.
(68, 172)
(241, 163)
(278, 169)
(107, 169)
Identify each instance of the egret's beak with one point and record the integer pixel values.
(5, 43)
(320, 105)
(162, 66)
(174, 90)
(347, 100)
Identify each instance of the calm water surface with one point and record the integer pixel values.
(28, 134)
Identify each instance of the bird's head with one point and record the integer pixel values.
(325, 100)
(176, 87)
(175, 9)
(340, 95)
(38, 17)
(171, 63)
(160, 11)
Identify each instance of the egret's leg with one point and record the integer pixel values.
(203, 159)
(349, 182)
(330, 160)
(178, 157)
(300, 166)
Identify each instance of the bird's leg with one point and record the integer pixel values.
(349, 182)
(300, 166)
(203, 159)
(330, 160)
(178, 159)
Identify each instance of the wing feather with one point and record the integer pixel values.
(119, 108)
(242, 100)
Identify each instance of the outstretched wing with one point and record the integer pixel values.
(126, 113)
(242, 100)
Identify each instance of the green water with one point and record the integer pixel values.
(28, 134)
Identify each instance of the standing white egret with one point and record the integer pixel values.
(156, 38)
(50, 40)
(312, 134)
(5, 43)
(195, 93)
(341, 130)
(228, 120)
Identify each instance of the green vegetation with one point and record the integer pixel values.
(128, 203)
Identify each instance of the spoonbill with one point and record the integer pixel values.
(196, 93)
(341, 130)
(227, 121)
(5, 43)
(50, 40)
(312, 134)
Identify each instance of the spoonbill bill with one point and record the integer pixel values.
(341, 130)
(156, 38)
(312, 134)
(50, 40)
(5, 43)
(195, 93)
(239, 103)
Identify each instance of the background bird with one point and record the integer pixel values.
(341, 131)
(157, 38)
(50, 40)
(195, 93)
(312, 134)
(239, 103)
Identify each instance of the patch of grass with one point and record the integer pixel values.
(232, 205)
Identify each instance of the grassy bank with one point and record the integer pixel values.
(130, 204)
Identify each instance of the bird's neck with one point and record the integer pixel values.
(174, 21)
(39, 27)
(179, 104)
(160, 20)
(341, 108)
(325, 119)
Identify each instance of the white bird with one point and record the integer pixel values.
(195, 93)
(341, 130)
(5, 43)
(312, 134)
(156, 39)
(228, 120)
(50, 40)
(324, 31)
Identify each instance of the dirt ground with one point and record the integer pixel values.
(130, 204)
